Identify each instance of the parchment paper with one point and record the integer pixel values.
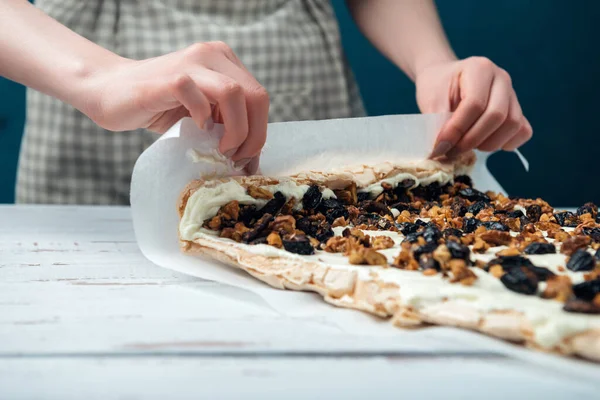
(166, 167)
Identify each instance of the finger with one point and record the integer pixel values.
(192, 98)
(257, 104)
(475, 84)
(228, 94)
(509, 128)
(493, 117)
(523, 135)
(252, 167)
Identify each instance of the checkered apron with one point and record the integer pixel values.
(291, 46)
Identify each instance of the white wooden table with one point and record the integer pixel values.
(84, 315)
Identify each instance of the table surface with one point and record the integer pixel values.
(84, 315)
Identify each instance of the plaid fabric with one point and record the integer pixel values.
(291, 46)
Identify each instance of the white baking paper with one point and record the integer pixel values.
(167, 166)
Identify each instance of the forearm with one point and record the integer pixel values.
(39, 52)
(408, 32)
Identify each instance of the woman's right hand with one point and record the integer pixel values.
(202, 81)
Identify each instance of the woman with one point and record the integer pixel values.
(136, 67)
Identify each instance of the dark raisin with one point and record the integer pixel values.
(580, 306)
(247, 214)
(542, 273)
(258, 228)
(324, 233)
(593, 233)
(540, 248)
(473, 195)
(427, 248)
(520, 280)
(335, 213)
(376, 207)
(470, 224)
(412, 237)
(452, 232)
(567, 218)
(515, 214)
(534, 212)
(458, 207)
(420, 222)
(581, 260)
(524, 221)
(426, 261)
(362, 196)
(597, 255)
(432, 233)
(458, 250)
(312, 198)
(587, 290)
(430, 192)
(509, 262)
(496, 226)
(306, 226)
(407, 227)
(368, 219)
(383, 224)
(274, 205)
(259, 240)
(588, 208)
(298, 244)
(464, 179)
(476, 207)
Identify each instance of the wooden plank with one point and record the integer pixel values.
(288, 378)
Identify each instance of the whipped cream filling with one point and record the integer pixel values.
(549, 322)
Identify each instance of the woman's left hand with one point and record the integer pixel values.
(487, 115)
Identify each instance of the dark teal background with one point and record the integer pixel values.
(550, 47)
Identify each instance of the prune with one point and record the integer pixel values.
(515, 214)
(426, 261)
(587, 290)
(427, 248)
(464, 179)
(542, 273)
(298, 244)
(327, 204)
(458, 208)
(446, 233)
(420, 222)
(540, 248)
(524, 221)
(588, 208)
(429, 192)
(566, 218)
(534, 212)
(476, 207)
(597, 255)
(508, 262)
(432, 233)
(581, 260)
(312, 198)
(247, 214)
(520, 280)
(593, 233)
(333, 209)
(458, 250)
(323, 232)
(495, 226)
(362, 196)
(580, 306)
(376, 207)
(470, 224)
(368, 219)
(407, 227)
(306, 226)
(274, 205)
(412, 237)
(258, 228)
(473, 195)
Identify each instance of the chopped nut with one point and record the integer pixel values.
(215, 223)
(558, 288)
(496, 238)
(382, 242)
(442, 254)
(461, 273)
(480, 246)
(572, 244)
(340, 221)
(274, 240)
(364, 255)
(405, 260)
(596, 300)
(511, 251)
(468, 239)
(336, 244)
(259, 193)
(231, 210)
(347, 195)
(496, 271)
(429, 272)
(284, 224)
